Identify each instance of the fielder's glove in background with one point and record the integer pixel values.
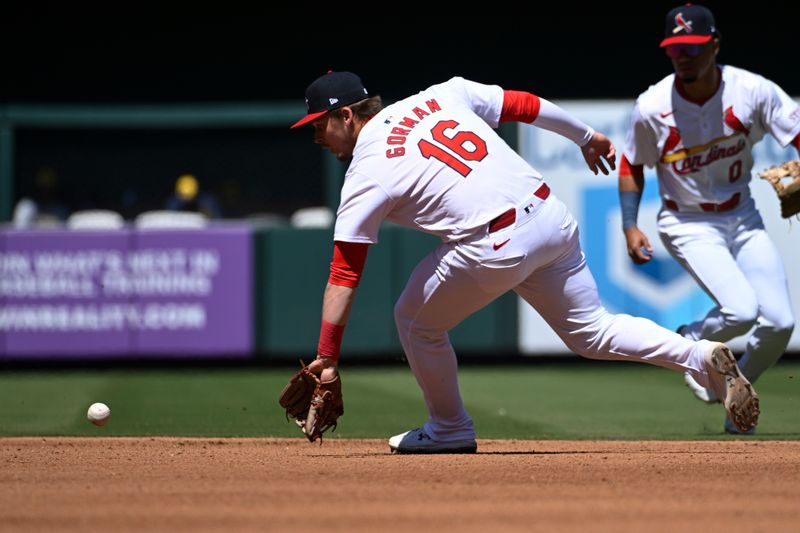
(315, 405)
(788, 191)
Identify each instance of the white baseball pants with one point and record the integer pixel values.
(732, 258)
(544, 264)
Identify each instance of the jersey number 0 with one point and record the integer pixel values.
(458, 144)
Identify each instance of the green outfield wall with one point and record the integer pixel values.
(291, 269)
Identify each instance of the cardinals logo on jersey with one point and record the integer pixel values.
(682, 24)
(672, 142)
(733, 122)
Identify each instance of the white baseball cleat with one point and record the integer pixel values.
(417, 441)
(701, 393)
(728, 383)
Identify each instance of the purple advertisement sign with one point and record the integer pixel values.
(52, 299)
(140, 293)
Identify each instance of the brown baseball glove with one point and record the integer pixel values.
(788, 191)
(315, 405)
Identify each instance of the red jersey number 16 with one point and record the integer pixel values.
(465, 145)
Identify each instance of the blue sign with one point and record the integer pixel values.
(652, 290)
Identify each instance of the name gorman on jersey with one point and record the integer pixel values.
(688, 160)
(399, 134)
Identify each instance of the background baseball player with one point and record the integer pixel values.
(433, 162)
(698, 127)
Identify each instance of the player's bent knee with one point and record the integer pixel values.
(409, 326)
(403, 315)
(741, 317)
(584, 349)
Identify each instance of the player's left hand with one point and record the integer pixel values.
(639, 248)
(325, 367)
(598, 148)
(313, 398)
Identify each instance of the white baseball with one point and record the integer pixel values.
(98, 414)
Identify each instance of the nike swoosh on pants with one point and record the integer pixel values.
(497, 246)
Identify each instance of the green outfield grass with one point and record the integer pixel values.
(529, 401)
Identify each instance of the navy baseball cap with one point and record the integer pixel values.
(332, 91)
(689, 24)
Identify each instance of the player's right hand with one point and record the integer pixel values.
(596, 150)
(639, 248)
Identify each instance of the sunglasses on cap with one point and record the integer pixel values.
(691, 50)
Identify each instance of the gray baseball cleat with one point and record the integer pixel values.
(417, 441)
(701, 393)
(728, 383)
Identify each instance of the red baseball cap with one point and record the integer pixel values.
(689, 24)
(332, 91)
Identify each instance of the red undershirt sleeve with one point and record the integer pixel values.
(519, 106)
(626, 169)
(348, 263)
(796, 143)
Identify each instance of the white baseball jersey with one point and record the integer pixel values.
(703, 153)
(433, 162)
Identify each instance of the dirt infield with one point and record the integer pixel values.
(170, 484)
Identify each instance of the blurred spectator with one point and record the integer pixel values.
(25, 213)
(43, 206)
(189, 197)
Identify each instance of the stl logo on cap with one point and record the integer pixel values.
(688, 24)
(681, 24)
